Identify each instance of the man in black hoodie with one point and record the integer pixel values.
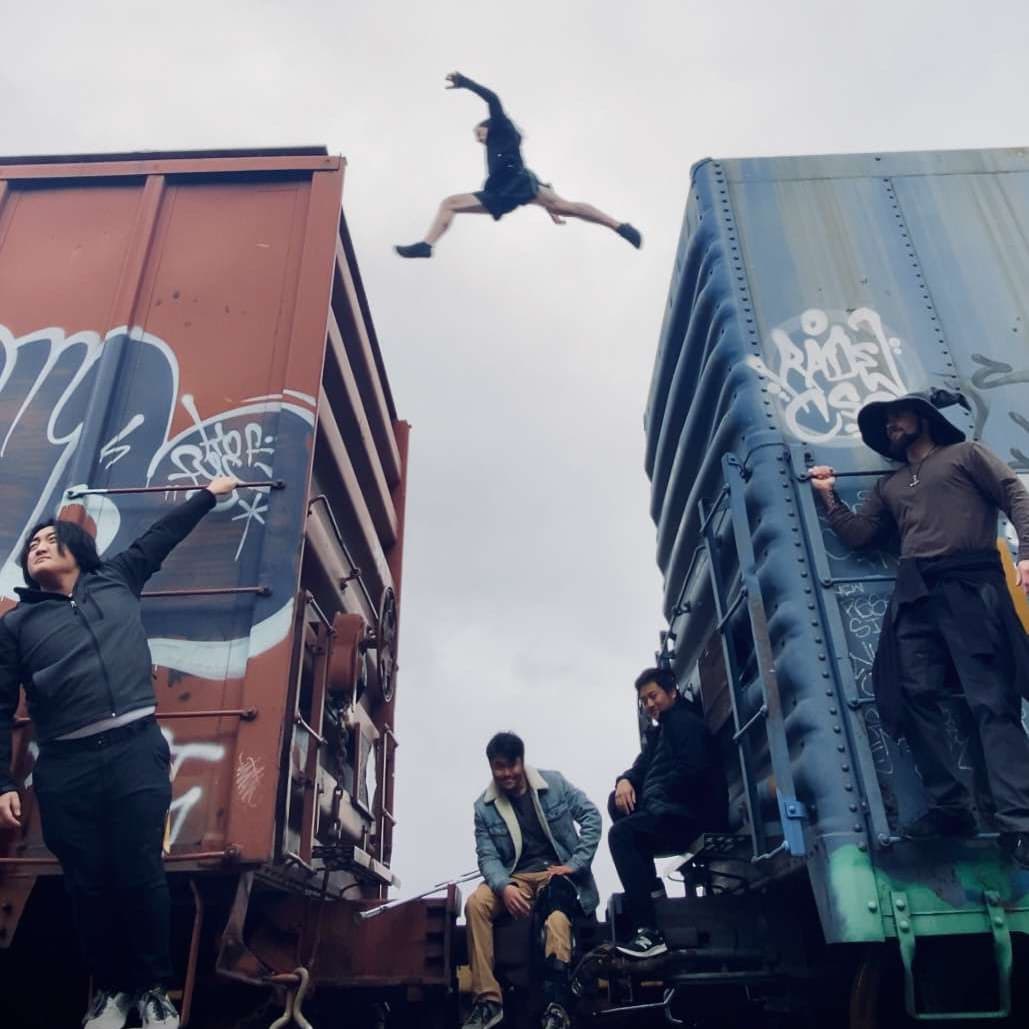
(76, 643)
(674, 791)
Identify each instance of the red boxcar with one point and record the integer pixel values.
(165, 318)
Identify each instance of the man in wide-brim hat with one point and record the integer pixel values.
(951, 618)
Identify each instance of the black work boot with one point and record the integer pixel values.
(414, 250)
(1016, 846)
(940, 823)
(631, 233)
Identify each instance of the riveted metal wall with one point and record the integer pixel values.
(802, 289)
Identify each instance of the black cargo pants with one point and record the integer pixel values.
(930, 663)
(635, 840)
(102, 803)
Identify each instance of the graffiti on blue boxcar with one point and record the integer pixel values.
(824, 365)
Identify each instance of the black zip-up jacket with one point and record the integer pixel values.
(679, 771)
(85, 657)
(503, 140)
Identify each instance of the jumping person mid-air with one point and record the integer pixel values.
(509, 184)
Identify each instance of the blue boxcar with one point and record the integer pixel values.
(803, 288)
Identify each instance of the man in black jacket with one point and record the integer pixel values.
(76, 643)
(674, 791)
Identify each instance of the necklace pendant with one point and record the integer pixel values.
(914, 480)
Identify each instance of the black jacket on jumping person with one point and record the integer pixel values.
(679, 771)
(503, 140)
(83, 658)
(509, 184)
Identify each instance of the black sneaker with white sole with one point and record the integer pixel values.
(555, 1017)
(485, 1014)
(156, 1011)
(109, 1009)
(647, 943)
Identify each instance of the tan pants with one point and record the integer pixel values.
(484, 907)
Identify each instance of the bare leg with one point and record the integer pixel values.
(555, 204)
(459, 203)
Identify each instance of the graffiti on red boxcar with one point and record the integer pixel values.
(80, 410)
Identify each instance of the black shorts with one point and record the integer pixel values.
(501, 198)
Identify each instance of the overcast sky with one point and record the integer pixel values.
(522, 352)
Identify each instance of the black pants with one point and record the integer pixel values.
(102, 803)
(635, 840)
(990, 717)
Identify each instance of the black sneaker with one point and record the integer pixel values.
(940, 823)
(109, 1010)
(631, 233)
(555, 1017)
(414, 250)
(156, 1011)
(485, 1014)
(1016, 846)
(647, 943)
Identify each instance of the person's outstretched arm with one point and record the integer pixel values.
(143, 558)
(459, 81)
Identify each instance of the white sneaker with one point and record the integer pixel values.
(109, 1010)
(156, 1011)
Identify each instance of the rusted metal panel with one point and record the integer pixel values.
(144, 165)
(341, 950)
(341, 386)
(349, 317)
(164, 318)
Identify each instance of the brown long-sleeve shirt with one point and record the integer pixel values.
(952, 508)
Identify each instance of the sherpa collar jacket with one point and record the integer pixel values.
(559, 806)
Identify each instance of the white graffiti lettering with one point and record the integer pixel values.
(842, 362)
(249, 773)
(184, 803)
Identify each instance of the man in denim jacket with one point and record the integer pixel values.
(526, 836)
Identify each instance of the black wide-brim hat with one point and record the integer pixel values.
(872, 418)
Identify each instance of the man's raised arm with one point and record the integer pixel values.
(459, 81)
(143, 558)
